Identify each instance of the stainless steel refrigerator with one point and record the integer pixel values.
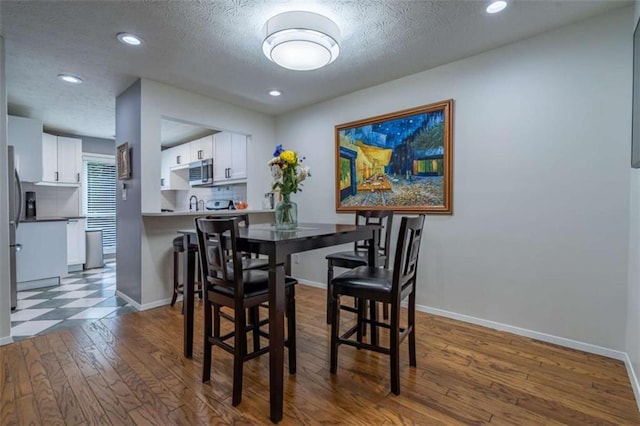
(15, 211)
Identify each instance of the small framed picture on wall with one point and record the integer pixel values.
(124, 161)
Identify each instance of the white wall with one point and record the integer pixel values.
(540, 231)
(162, 101)
(633, 299)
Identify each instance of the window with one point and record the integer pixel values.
(99, 197)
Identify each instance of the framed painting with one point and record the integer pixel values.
(124, 161)
(400, 161)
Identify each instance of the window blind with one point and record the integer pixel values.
(100, 201)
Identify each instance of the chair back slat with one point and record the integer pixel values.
(405, 264)
(384, 218)
(221, 262)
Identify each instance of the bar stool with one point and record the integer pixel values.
(178, 249)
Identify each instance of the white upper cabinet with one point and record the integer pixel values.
(69, 160)
(25, 134)
(180, 156)
(49, 157)
(201, 149)
(173, 175)
(61, 160)
(229, 158)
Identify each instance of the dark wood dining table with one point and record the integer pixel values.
(278, 246)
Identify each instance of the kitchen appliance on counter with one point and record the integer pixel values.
(30, 205)
(201, 173)
(219, 205)
(15, 211)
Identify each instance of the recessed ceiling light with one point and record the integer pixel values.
(68, 78)
(130, 39)
(496, 6)
(275, 93)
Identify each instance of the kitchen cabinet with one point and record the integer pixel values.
(173, 176)
(25, 134)
(229, 158)
(42, 259)
(201, 149)
(179, 156)
(61, 160)
(76, 243)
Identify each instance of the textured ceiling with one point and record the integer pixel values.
(214, 48)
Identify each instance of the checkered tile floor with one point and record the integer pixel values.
(81, 297)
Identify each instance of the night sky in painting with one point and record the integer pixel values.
(392, 133)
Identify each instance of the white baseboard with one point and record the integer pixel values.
(6, 340)
(145, 306)
(573, 344)
(633, 378)
(549, 338)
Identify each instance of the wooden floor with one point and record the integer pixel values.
(130, 370)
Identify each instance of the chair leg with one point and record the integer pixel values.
(206, 356)
(240, 351)
(412, 325)
(394, 349)
(373, 316)
(329, 289)
(175, 278)
(198, 274)
(216, 321)
(291, 328)
(385, 311)
(360, 316)
(335, 330)
(254, 319)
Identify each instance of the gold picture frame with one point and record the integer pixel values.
(124, 161)
(402, 161)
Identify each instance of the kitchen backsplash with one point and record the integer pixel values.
(54, 200)
(180, 199)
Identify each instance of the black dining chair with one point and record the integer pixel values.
(249, 260)
(390, 286)
(359, 255)
(227, 284)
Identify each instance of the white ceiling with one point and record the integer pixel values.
(214, 48)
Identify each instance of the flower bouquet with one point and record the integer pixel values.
(288, 173)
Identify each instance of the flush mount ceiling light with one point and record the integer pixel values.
(275, 92)
(301, 41)
(129, 39)
(496, 6)
(68, 78)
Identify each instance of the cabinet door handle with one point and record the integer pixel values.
(161, 181)
(200, 155)
(178, 159)
(78, 177)
(56, 176)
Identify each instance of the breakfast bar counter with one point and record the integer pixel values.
(207, 212)
(155, 269)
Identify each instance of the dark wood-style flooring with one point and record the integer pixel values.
(130, 370)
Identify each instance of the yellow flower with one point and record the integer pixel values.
(289, 157)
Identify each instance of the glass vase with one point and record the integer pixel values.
(286, 214)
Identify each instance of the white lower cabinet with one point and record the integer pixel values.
(76, 242)
(42, 259)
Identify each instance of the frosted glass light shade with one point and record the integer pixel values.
(301, 41)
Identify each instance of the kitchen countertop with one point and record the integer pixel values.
(208, 212)
(51, 219)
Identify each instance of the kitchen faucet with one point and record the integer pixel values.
(191, 202)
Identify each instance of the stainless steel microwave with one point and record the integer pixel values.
(201, 173)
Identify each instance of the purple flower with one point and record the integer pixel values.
(278, 151)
